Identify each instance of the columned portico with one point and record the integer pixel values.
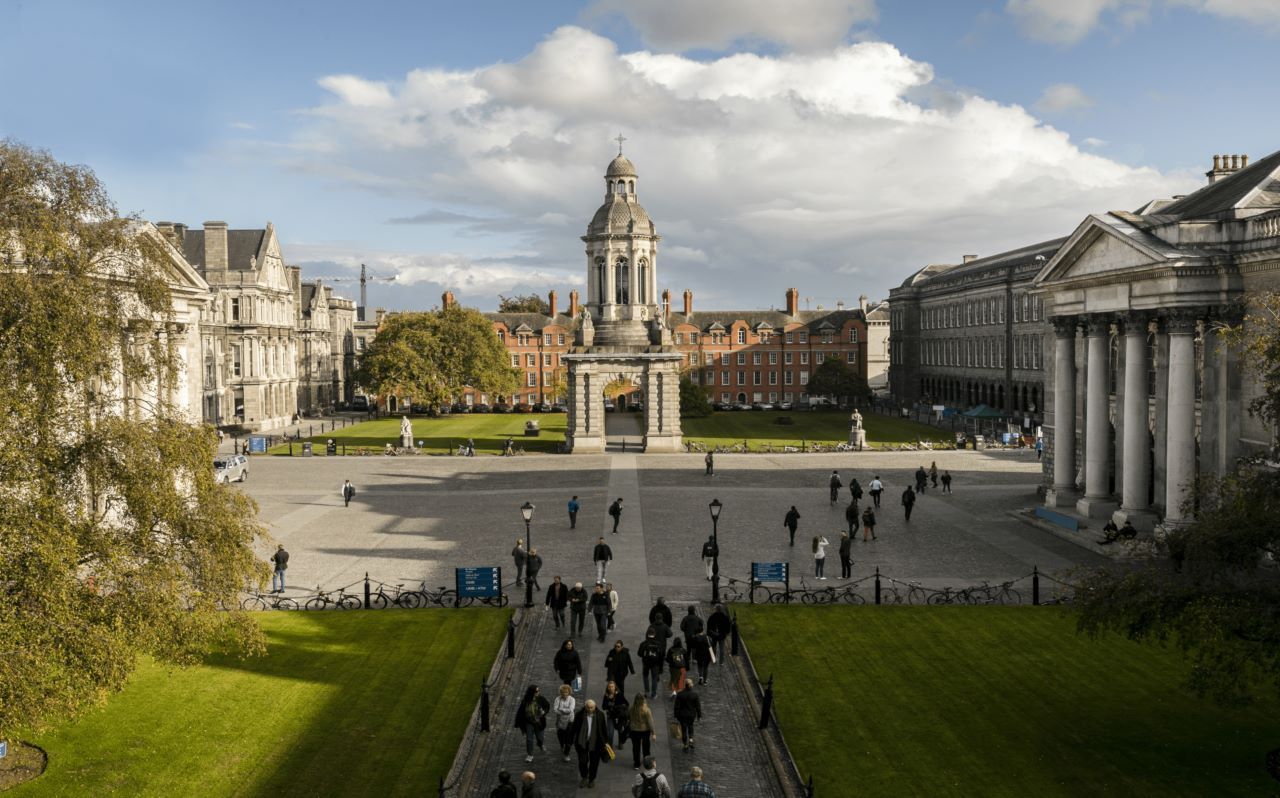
(1181, 452)
(1135, 507)
(1063, 493)
(1097, 501)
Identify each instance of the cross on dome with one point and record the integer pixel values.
(621, 138)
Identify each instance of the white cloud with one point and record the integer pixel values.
(1068, 21)
(760, 172)
(1062, 97)
(358, 91)
(679, 25)
(1094, 142)
(1258, 12)
(241, 126)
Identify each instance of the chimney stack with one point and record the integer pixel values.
(969, 258)
(793, 301)
(551, 302)
(688, 302)
(862, 303)
(447, 300)
(839, 304)
(666, 302)
(215, 245)
(573, 304)
(1225, 165)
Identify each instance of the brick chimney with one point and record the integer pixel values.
(862, 303)
(551, 302)
(1225, 165)
(688, 302)
(447, 300)
(573, 304)
(793, 301)
(215, 245)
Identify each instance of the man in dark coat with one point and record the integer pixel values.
(846, 555)
(691, 624)
(651, 656)
(688, 709)
(615, 510)
(599, 604)
(710, 460)
(557, 600)
(520, 556)
(908, 501)
(922, 479)
(836, 485)
(851, 516)
(660, 610)
(791, 522)
(577, 609)
(719, 626)
(280, 564)
(618, 666)
(505, 788)
(855, 491)
(531, 568)
(709, 551)
(601, 555)
(589, 738)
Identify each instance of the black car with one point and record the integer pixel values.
(501, 408)
(559, 408)
(461, 407)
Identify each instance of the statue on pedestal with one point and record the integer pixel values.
(857, 435)
(855, 420)
(406, 433)
(586, 330)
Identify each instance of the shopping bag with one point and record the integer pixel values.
(577, 684)
(675, 730)
(713, 656)
(609, 753)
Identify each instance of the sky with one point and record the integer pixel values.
(836, 146)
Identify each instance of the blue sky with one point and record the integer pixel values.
(837, 145)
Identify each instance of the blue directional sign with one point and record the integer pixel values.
(258, 444)
(478, 582)
(4, 749)
(769, 571)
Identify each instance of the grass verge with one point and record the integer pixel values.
(995, 701)
(344, 703)
(725, 428)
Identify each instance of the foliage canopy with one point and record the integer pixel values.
(834, 378)
(693, 399)
(529, 303)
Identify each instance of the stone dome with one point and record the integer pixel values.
(620, 167)
(616, 216)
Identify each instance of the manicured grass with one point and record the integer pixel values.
(445, 434)
(998, 701)
(760, 427)
(344, 703)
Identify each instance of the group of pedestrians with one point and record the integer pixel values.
(649, 783)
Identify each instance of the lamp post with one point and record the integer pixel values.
(526, 511)
(715, 508)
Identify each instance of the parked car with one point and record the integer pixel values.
(541, 408)
(460, 407)
(502, 407)
(723, 406)
(231, 468)
(608, 404)
(786, 406)
(559, 407)
(741, 406)
(524, 407)
(481, 408)
(761, 406)
(360, 403)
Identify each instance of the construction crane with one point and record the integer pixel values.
(364, 278)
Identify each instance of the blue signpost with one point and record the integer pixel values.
(473, 583)
(258, 444)
(770, 572)
(4, 749)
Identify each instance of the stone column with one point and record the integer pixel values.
(1180, 468)
(1063, 493)
(1097, 502)
(1134, 506)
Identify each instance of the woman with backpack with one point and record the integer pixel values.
(641, 728)
(677, 662)
(564, 709)
(531, 718)
(819, 555)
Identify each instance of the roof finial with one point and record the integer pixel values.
(621, 138)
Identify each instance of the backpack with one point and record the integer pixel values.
(649, 786)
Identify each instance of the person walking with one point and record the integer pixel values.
(557, 600)
(613, 602)
(599, 606)
(614, 706)
(946, 481)
(577, 609)
(563, 709)
(531, 718)
(660, 610)
(855, 491)
(719, 626)
(651, 657)
(1039, 448)
(280, 563)
(933, 474)
(691, 623)
(649, 782)
(700, 653)
(505, 788)
(835, 484)
(520, 557)
(471, 447)
(573, 512)
(601, 555)
(710, 550)
(710, 460)
(677, 662)
(875, 488)
(846, 555)
(851, 516)
(663, 632)
(618, 665)
(615, 510)
(819, 555)
(589, 739)
(641, 728)
(695, 787)
(908, 501)
(348, 492)
(922, 479)
(688, 711)
(791, 522)
(567, 663)
(532, 566)
(531, 788)
(868, 524)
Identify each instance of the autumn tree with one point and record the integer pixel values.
(430, 358)
(115, 540)
(834, 378)
(529, 303)
(558, 386)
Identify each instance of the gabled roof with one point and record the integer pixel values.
(1257, 186)
(530, 321)
(709, 320)
(1121, 228)
(243, 247)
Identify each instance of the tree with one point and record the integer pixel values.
(530, 303)
(433, 357)
(557, 386)
(115, 540)
(617, 387)
(693, 399)
(834, 378)
(1214, 589)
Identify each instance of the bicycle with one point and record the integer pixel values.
(911, 593)
(771, 596)
(1003, 593)
(695, 446)
(263, 601)
(407, 599)
(491, 601)
(947, 595)
(344, 600)
(730, 592)
(830, 595)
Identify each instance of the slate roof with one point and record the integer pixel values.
(535, 321)
(777, 319)
(242, 247)
(1227, 193)
(1014, 257)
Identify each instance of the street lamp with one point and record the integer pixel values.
(715, 508)
(526, 511)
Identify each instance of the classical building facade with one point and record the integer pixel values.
(1144, 394)
(326, 345)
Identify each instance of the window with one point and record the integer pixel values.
(853, 335)
(235, 308)
(678, 338)
(790, 337)
(804, 358)
(515, 361)
(360, 344)
(531, 360)
(711, 359)
(773, 396)
(1036, 308)
(742, 378)
(755, 378)
(235, 361)
(820, 357)
(742, 358)
(546, 360)
(724, 378)
(804, 337)
(693, 338)
(546, 339)
(724, 397)
(742, 336)
(755, 358)
(786, 377)
(773, 378)
(724, 358)
(773, 358)
(853, 357)
(764, 337)
(502, 336)
(787, 358)
(804, 377)
(560, 339)
(693, 358)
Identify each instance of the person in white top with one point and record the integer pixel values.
(819, 554)
(564, 708)
(875, 489)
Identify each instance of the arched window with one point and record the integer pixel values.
(622, 282)
(642, 290)
(600, 275)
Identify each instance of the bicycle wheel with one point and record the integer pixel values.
(410, 601)
(778, 598)
(286, 604)
(854, 597)
(810, 598)
(316, 603)
(941, 598)
(502, 600)
(916, 595)
(379, 601)
(253, 603)
(350, 603)
(1009, 596)
(448, 598)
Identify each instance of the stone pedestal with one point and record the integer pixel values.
(1142, 520)
(858, 437)
(1061, 497)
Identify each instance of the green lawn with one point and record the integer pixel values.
(442, 435)
(998, 701)
(344, 703)
(723, 428)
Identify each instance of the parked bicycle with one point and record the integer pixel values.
(265, 601)
(381, 599)
(324, 600)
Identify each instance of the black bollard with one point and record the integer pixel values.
(808, 788)
(735, 642)
(291, 447)
(511, 639)
(1035, 586)
(766, 706)
(877, 584)
(484, 706)
(366, 590)
(442, 787)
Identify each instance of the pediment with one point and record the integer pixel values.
(1099, 247)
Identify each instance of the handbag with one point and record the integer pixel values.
(675, 730)
(577, 684)
(609, 753)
